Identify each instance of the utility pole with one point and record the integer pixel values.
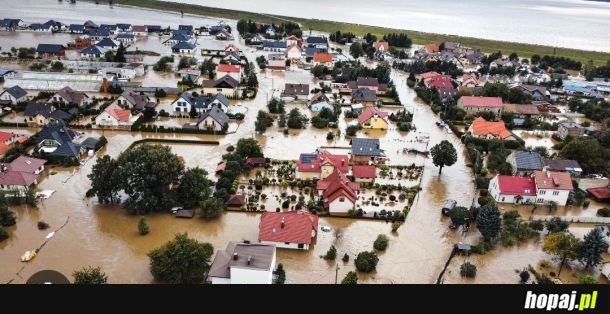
(336, 274)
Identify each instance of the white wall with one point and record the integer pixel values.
(339, 207)
(242, 276)
(211, 124)
(105, 119)
(220, 281)
(283, 245)
(561, 199)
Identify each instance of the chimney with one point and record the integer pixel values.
(235, 256)
(249, 259)
(283, 222)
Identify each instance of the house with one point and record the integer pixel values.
(572, 90)
(320, 105)
(571, 129)
(27, 164)
(311, 51)
(98, 34)
(236, 200)
(525, 163)
(316, 42)
(513, 190)
(481, 128)
(270, 31)
(294, 40)
(255, 162)
(186, 101)
(108, 44)
(570, 166)
(600, 194)
(11, 24)
(295, 92)
(501, 62)
(114, 117)
(51, 51)
(188, 29)
(93, 52)
(14, 94)
(213, 119)
(232, 58)
(474, 58)
(320, 165)
(372, 118)
(130, 100)
(44, 28)
(243, 263)
(276, 61)
(67, 95)
(177, 38)
(21, 173)
(112, 28)
(545, 107)
(230, 48)
(364, 173)
(233, 71)
(7, 138)
(153, 28)
(470, 82)
(381, 46)
(366, 150)
(43, 114)
(189, 74)
(370, 83)
(5, 74)
(294, 52)
(224, 35)
(139, 30)
(431, 48)
(553, 187)
(226, 85)
(538, 93)
(522, 111)
(126, 39)
(443, 84)
(289, 230)
(76, 28)
(123, 28)
(476, 104)
(337, 193)
(323, 58)
(184, 47)
(57, 140)
(275, 46)
(364, 96)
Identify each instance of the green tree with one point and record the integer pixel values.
(7, 217)
(109, 56)
(589, 70)
(443, 154)
(160, 93)
(248, 147)
(381, 243)
(181, 260)
(212, 208)
(587, 280)
(57, 66)
(3, 234)
(194, 187)
(517, 96)
(331, 254)
(596, 158)
(593, 247)
(90, 276)
(105, 180)
(460, 216)
(263, 121)
(489, 221)
(555, 225)
(281, 274)
(564, 246)
(495, 90)
(120, 54)
(143, 227)
(147, 172)
(295, 119)
(366, 262)
(468, 270)
(350, 278)
(276, 106)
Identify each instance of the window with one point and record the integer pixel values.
(287, 243)
(542, 192)
(342, 199)
(300, 245)
(555, 193)
(502, 199)
(540, 200)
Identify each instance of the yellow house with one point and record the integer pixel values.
(372, 118)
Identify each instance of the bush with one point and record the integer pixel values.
(396, 225)
(345, 258)
(366, 262)
(484, 200)
(603, 212)
(3, 234)
(545, 264)
(331, 254)
(482, 248)
(524, 275)
(143, 227)
(468, 270)
(587, 280)
(43, 225)
(330, 136)
(381, 243)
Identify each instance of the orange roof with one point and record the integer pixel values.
(380, 44)
(3, 148)
(5, 136)
(118, 113)
(553, 180)
(228, 68)
(482, 127)
(322, 57)
(429, 75)
(22, 139)
(370, 113)
(432, 48)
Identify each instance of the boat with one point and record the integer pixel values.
(28, 256)
(325, 228)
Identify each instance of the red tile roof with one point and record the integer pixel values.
(236, 200)
(298, 227)
(340, 162)
(384, 44)
(440, 81)
(6, 136)
(432, 48)
(322, 57)
(429, 75)
(26, 164)
(228, 68)
(17, 178)
(365, 172)
(118, 113)
(139, 28)
(482, 127)
(475, 101)
(553, 180)
(253, 161)
(602, 193)
(340, 186)
(3, 148)
(22, 139)
(523, 186)
(371, 112)
(231, 47)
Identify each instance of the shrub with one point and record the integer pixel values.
(331, 254)
(366, 262)
(468, 270)
(587, 280)
(330, 136)
(3, 234)
(381, 243)
(482, 248)
(43, 225)
(345, 258)
(285, 204)
(545, 264)
(484, 200)
(524, 275)
(143, 227)
(603, 212)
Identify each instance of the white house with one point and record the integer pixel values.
(553, 187)
(21, 173)
(243, 263)
(14, 94)
(337, 193)
(513, 190)
(93, 52)
(294, 52)
(289, 230)
(67, 95)
(114, 116)
(186, 101)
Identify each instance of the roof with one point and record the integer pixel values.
(60, 115)
(482, 127)
(76, 27)
(33, 109)
(276, 57)
(203, 101)
(522, 109)
(232, 47)
(571, 125)
(365, 172)
(432, 48)
(236, 200)
(553, 180)
(322, 57)
(26, 164)
(440, 81)
(118, 113)
(22, 139)
(4, 148)
(228, 68)
(528, 160)
(242, 255)
(380, 44)
(184, 45)
(338, 186)
(274, 44)
(474, 101)
(16, 91)
(298, 227)
(107, 42)
(64, 136)
(226, 81)
(71, 96)
(366, 147)
(98, 32)
(17, 178)
(429, 75)
(367, 81)
(533, 88)
(153, 28)
(295, 89)
(5, 136)
(370, 113)
(89, 143)
(49, 48)
(311, 51)
(255, 160)
(93, 50)
(123, 26)
(601, 193)
(4, 72)
(523, 186)
(139, 28)
(316, 40)
(136, 100)
(216, 114)
(314, 162)
(562, 165)
(363, 94)
(126, 36)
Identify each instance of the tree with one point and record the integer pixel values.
(109, 56)
(350, 278)
(281, 274)
(331, 254)
(90, 276)
(356, 50)
(489, 221)
(194, 187)
(513, 57)
(212, 208)
(564, 246)
(468, 270)
(589, 71)
(248, 147)
(105, 180)
(276, 106)
(57, 66)
(120, 54)
(3, 234)
(524, 275)
(345, 258)
(596, 158)
(460, 216)
(555, 225)
(263, 121)
(495, 90)
(160, 93)
(7, 217)
(295, 119)
(181, 261)
(593, 247)
(143, 227)
(517, 96)
(381, 243)
(443, 154)
(147, 171)
(366, 262)
(587, 280)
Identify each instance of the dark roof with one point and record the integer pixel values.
(183, 45)
(274, 44)
(179, 36)
(128, 36)
(185, 213)
(106, 42)
(528, 160)
(316, 40)
(49, 48)
(226, 81)
(185, 27)
(311, 51)
(89, 143)
(249, 256)
(366, 147)
(153, 28)
(64, 136)
(37, 26)
(16, 91)
(123, 26)
(76, 27)
(98, 32)
(34, 108)
(93, 50)
(216, 114)
(236, 200)
(9, 23)
(60, 115)
(204, 102)
(295, 89)
(363, 94)
(108, 27)
(562, 165)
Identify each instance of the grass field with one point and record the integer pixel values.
(523, 50)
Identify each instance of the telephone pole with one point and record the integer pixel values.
(336, 274)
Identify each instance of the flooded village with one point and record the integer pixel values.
(330, 154)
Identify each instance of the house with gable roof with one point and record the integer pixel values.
(289, 230)
(114, 117)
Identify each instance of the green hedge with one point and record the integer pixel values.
(171, 141)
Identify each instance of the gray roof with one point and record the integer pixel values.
(98, 32)
(216, 114)
(295, 89)
(571, 125)
(562, 165)
(76, 27)
(34, 108)
(261, 257)
(128, 36)
(179, 36)
(528, 160)
(64, 136)
(4, 72)
(363, 94)
(184, 45)
(366, 147)
(49, 48)
(89, 143)
(274, 44)
(106, 42)
(226, 81)
(311, 51)
(204, 102)
(60, 115)
(316, 40)
(16, 91)
(93, 50)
